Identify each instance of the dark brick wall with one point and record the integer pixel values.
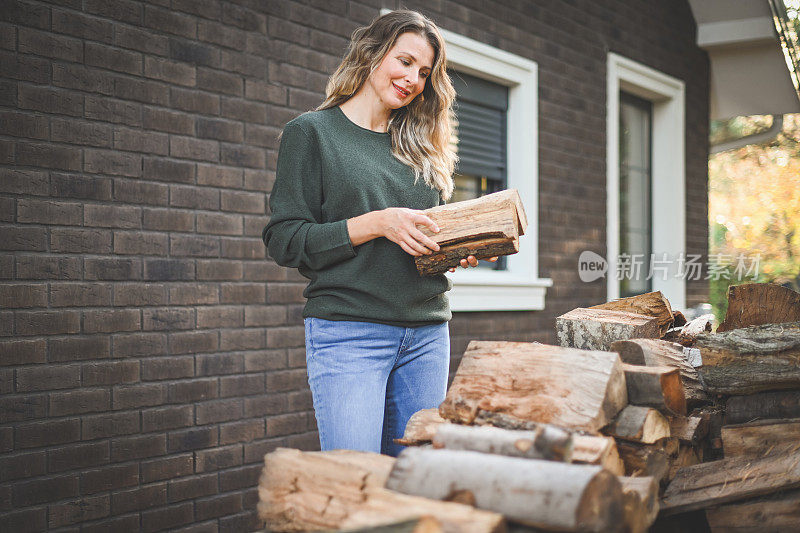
(150, 353)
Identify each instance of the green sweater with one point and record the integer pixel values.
(329, 170)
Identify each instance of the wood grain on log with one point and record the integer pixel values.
(709, 484)
(450, 256)
(574, 389)
(775, 513)
(539, 493)
(756, 439)
(659, 387)
(644, 459)
(545, 442)
(689, 429)
(597, 450)
(752, 359)
(641, 502)
(639, 424)
(596, 329)
(649, 304)
(421, 427)
(755, 304)
(763, 405)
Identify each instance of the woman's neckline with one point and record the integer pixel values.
(362, 128)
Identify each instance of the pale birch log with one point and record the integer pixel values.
(755, 304)
(545, 442)
(574, 389)
(596, 329)
(659, 387)
(597, 450)
(641, 502)
(421, 427)
(544, 494)
(652, 304)
(639, 424)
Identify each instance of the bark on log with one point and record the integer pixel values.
(545, 442)
(659, 387)
(764, 405)
(311, 491)
(689, 429)
(575, 389)
(639, 424)
(450, 255)
(539, 493)
(649, 304)
(755, 304)
(776, 513)
(765, 437)
(597, 450)
(644, 460)
(686, 456)
(688, 333)
(753, 359)
(421, 427)
(653, 352)
(709, 484)
(597, 329)
(641, 502)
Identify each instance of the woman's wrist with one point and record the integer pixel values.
(365, 227)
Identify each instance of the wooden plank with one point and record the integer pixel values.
(639, 424)
(597, 329)
(755, 304)
(652, 304)
(421, 427)
(708, 484)
(574, 389)
(764, 437)
(545, 442)
(763, 405)
(545, 494)
(659, 387)
(776, 513)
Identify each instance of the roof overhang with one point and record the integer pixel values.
(748, 70)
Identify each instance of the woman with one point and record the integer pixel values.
(352, 180)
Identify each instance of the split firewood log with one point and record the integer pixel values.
(678, 319)
(764, 437)
(597, 450)
(311, 491)
(574, 389)
(423, 524)
(649, 304)
(644, 459)
(752, 359)
(641, 502)
(774, 513)
(484, 227)
(689, 429)
(639, 424)
(421, 427)
(654, 352)
(754, 304)
(686, 456)
(659, 387)
(688, 333)
(596, 329)
(762, 405)
(545, 494)
(545, 442)
(710, 484)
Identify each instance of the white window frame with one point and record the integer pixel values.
(668, 179)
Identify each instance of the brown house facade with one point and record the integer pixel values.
(150, 352)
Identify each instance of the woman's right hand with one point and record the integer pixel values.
(399, 225)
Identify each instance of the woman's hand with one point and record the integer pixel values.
(470, 261)
(399, 225)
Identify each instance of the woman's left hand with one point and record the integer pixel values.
(470, 261)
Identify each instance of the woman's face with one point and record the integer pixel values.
(402, 73)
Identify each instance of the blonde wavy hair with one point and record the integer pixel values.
(420, 131)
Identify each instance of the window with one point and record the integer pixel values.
(665, 98)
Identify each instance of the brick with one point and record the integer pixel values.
(288, 380)
(192, 439)
(169, 269)
(170, 22)
(286, 424)
(138, 395)
(300, 401)
(265, 92)
(193, 294)
(109, 478)
(194, 245)
(194, 101)
(79, 186)
(172, 367)
(77, 511)
(18, 295)
(87, 79)
(7, 213)
(218, 458)
(241, 385)
(168, 318)
(238, 478)
(244, 18)
(193, 148)
(168, 517)
(242, 339)
(218, 364)
(191, 487)
(26, 494)
(218, 411)
(243, 202)
(22, 465)
(140, 243)
(241, 431)
(27, 68)
(50, 45)
(40, 378)
(48, 156)
(17, 238)
(80, 241)
(25, 181)
(74, 348)
(25, 407)
(129, 522)
(266, 360)
(242, 293)
(264, 136)
(141, 40)
(193, 342)
(243, 248)
(109, 373)
(141, 141)
(50, 101)
(117, 269)
(24, 125)
(49, 212)
(162, 418)
(112, 110)
(26, 521)
(47, 322)
(260, 180)
(245, 110)
(71, 294)
(77, 456)
(22, 352)
(81, 25)
(219, 270)
(112, 163)
(219, 82)
(285, 293)
(222, 130)
(109, 425)
(173, 72)
(137, 294)
(192, 52)
(167, 170)
(137, 192)
(38, 434)
(219, 224)
(122, 10)
(148, 92)
(264, 315)
(168, 121)
(218, 316)
(79, 402)
(168, 220)
(145, 497)
(219, 176)
(112, 58)
(111, 320)
(217, 506)
(138, 447)
(193, 390)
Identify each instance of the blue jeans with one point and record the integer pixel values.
(368, 379)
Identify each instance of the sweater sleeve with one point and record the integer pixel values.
(296, 236)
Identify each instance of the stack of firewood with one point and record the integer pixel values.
(638, 417)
